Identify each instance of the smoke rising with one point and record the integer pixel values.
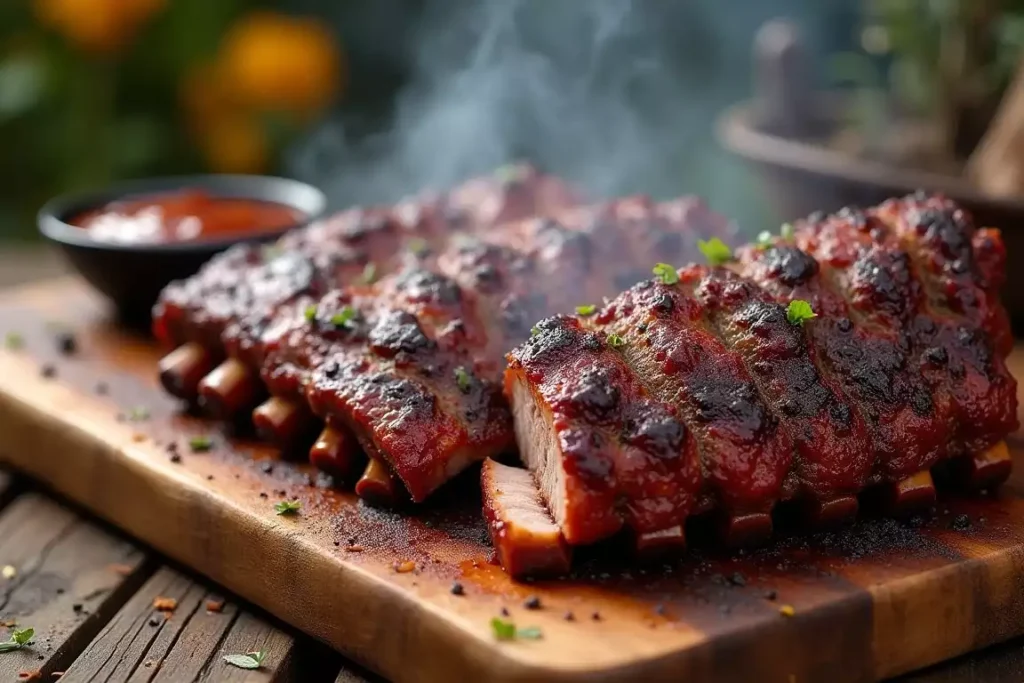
(599, 91)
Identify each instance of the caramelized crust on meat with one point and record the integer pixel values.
(409, 358)
(902, 366)
(415, 372)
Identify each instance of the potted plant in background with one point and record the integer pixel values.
(934, 99)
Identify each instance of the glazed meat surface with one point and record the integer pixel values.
(854, 350)
(414, 369)
(391, 325)
(226, 306)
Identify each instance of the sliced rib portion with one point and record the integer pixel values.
(668, 338)
(604, 452)
(860, 295)
(898, 364)
(526, 539)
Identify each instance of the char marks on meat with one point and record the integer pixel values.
(393, 323)
(701, 392)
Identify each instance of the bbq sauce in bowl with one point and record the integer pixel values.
(130, 239)
(184, 216)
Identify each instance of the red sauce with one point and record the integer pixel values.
(184, 216)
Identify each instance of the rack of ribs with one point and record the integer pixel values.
(858, 351)
(404, 366)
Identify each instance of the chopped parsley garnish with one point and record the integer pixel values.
(310, 312)
(799, 311)
(666, 273)
(250, 660)
(271, 252)
(764, 239)
(200, 444)
(786, 231)
(418, 246)
(138, 414)
(715, 251)
(369, 273)
(586, 309)
(19, 639)
(506, 630)
(510, 173)
(615, 341)
(13, 341)
(534, 331)
(463, 379)
(342, 317)
(287, 507)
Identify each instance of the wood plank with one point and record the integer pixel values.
(142, 643)
(877, 600)
(71, 576)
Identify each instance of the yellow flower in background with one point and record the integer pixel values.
(102, 26)
(273, 62)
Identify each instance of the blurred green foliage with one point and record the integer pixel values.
(73, 118)
(943, 62)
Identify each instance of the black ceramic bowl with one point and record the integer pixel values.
(132, 275)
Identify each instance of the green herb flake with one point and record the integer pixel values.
(19, 639)
(764, 239)
(786, 231)
(799, 311)
(418, 246)
(666, 273)
(310, 313)
(250, 660)
(200, 444)
(615, 341)
(138, 414)
(715, 251)
(287, 507)
(586, 309)
(503, 630)
(13, 341)
(506, 630)
(534, 331)
(512, 173)
(463, 379)
(343, 317)
(369, 273)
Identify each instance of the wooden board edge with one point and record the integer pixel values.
(441, 646)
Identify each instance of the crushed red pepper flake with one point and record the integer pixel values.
(214, 606)
(354, 548)
(405, 567)
(122, 569)
(30, 675)
(165, 604)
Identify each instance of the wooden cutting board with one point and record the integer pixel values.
(867, 602)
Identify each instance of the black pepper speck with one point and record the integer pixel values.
(532, 602)
(961, 523)
(67, 344)
(457, 589)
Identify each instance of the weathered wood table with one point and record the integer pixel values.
(91, 595)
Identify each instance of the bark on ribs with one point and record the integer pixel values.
(411, 363)
(899, 330)
(227, 306)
